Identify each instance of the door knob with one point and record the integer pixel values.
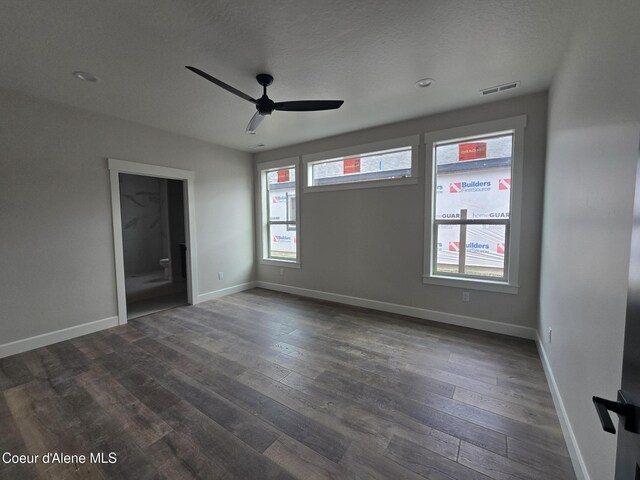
(624, 409)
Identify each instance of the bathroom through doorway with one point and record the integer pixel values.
(153, 241)
(152, 219)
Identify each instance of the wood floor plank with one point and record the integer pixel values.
(127, 332)
(445, 422)
(41, 422)
(302, 462)
(227, 451)
(251, 430)
(244, 352)
(144, 426)
(104, 434)
(177, 457)
(184, 319)
(253, 359)
(428, 464)
(362, 358)
(176, 385)
(408, 350)
(264, 384)
(471, 413)
(499, 467)
(384, 423)
(345, 419)
(71, 359)
(13, 372)
(363, 463)
(201, 355)
(144, 387)
(542, 416)
(92, 346)
(11, 441)
(340, 363)
(554, 462)
(317, 437)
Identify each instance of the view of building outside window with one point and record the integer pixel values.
(394, 163)
(472, 207)
(281, 211)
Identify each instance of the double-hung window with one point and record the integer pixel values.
(473, 201)
(278, 206)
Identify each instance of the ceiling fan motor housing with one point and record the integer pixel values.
(265, 105)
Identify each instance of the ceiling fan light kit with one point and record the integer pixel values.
(264, 105)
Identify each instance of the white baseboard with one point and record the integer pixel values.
(569, 437)
(49, 338)
(225, 291)
(442, 317)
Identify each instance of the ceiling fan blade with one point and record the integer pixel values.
(254, 122)
(220, 83)
(308, 105)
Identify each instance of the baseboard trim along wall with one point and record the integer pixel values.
(31, 343)
(569, 437)
(442, 317)
(225, 291)
(50, 338)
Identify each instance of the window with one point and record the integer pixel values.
(278, 201)
(473, 198)
(377, 164)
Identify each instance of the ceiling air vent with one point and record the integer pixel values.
(500, 88)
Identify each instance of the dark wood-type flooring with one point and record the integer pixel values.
(264, 385)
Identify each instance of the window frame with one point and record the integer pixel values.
(412, 141)
(262, 208)
(510, 285)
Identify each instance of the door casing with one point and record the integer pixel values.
(116, 167)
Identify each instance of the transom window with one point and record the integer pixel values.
(394, 163)
(388, 162)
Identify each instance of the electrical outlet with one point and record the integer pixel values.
(220, 275)
(550, 336)
(466, 296)
(282, 271)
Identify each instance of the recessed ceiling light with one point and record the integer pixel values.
(251, 133)
(86, 76)
(424, 82)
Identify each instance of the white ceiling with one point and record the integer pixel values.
(367, 53)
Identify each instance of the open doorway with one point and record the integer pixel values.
(153, 241)
(153, 221)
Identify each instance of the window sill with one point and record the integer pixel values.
(280, 263)
(391, 182)
(484, 285)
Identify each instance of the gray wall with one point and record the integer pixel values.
(55, 213)
(594, 131)
(368, 243)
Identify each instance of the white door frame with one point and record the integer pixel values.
(116, 167)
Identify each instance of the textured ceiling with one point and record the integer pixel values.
(368, 53)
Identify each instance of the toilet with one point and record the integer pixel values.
(164, 263)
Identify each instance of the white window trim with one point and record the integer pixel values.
(517, 125)
(261, 223)
(412, 141)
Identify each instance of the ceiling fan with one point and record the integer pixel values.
(264, 105)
